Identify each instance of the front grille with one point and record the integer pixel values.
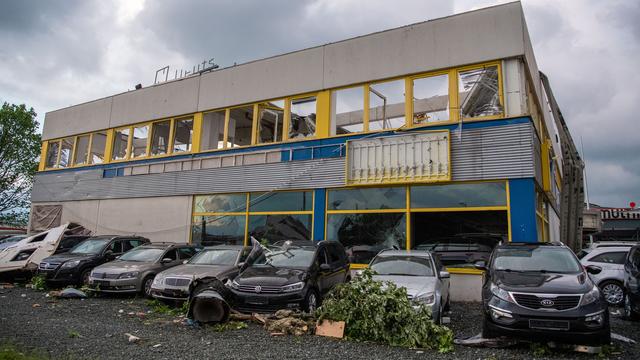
(48, 266)
(171, 281)
(99, 275)
(259, 289)
(560, 302)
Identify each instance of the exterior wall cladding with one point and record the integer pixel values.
(154, 196)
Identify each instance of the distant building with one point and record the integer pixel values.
(617, 224)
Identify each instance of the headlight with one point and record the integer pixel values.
(590, 297)
(293, 287)
(425, 298)
(232, 284)
(158, 280)
(71, 264)
(128, 275)
(501, 293)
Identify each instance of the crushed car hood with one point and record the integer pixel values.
(270, 276)
(414, 284)
(197, 271)
(543, 283)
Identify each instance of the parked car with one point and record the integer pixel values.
(293, 275)
(463, 250)
(10, 240)
(420, 272)
(75, 266)
(133, 272)
(222, 262)
(22, 258)
(542, 291)
(632, 284)
(611, 279)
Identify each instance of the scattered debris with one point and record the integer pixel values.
(156, 345)
(23, 295)
(479, 341)
(619, 337)
(68, 293)
(131, 338)
(35, 305)
(330, 328)
(73, 334)
(207, 303)
(230, 325)
(121, 311)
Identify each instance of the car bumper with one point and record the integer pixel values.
(170, 293)
(569, 326)
(114, 285)
(60, 275)
(252, 302)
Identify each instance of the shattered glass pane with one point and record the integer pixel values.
(120, 143)
(65, 152)
(270, 121)
(479, 92)
(303, 118)
(386, 105)
(52, 154)
(183, 135)
(160, 137)
(280, 227)
(98, 143)
(139, 141)
(82, 149)
(217, 230)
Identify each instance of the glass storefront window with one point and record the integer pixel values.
(212, 130)
(183, 135)
(240, 126)
(120, 144)
(347, 111)
(66, 149)
(215, 230)
(82, 150)
(52, 154)
(160, 137)
(270, 121)
(139, 141)
(220, 203)
(367, 198)
(386, 105)
(281, 201)
(479, 92)
(431, 99)
(303, 118)
(459, 195)
(98, 143)
(280, 227)
(364, 235)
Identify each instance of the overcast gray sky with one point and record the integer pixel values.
(59, 53)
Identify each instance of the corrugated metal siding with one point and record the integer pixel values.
(482, 153)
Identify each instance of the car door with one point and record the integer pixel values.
(339, 269)
(612, 264)
(324, 276)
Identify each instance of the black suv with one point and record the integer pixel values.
(632, 284)
(290, 275)
(74, 266)
(541, 291)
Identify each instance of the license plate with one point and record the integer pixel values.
(257, 301)
(101, 282)
(549, 324)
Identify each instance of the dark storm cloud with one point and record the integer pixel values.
(33, 15)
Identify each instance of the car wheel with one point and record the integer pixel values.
(84, 277)
(311, 301)
(628, 309)
(146, 286)
(613, 292)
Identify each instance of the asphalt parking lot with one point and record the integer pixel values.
(94, 328)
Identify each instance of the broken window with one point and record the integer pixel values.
(386, 105)
(280, 227)
(160, 137)
(281, 201)
(66, 149)
(98, 142)
(139, 141)
(431, 99)
(216, 230)
(459, 195)
(82, 150)
(52, 154)
(183, 135)
(367, 198)
(120, 144)
(240, 126)
(220, 203)
(270, 121)
(479, 92)
(347, 111)
(212, 130)
(303, 118)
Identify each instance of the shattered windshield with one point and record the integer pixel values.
(289, 258)
(142, 255)
(90, 247)
(215, 257)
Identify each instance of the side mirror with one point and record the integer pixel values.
(325, 267)
(480, 265)
(240, 264)
(444, 274)
(109, 255)
(592, 269)
(185, 261)
(166, 260)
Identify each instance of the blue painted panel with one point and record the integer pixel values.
(120, 172)
(319, 214)
(109, 173)
(522, 194)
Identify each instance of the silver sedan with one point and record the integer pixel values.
(426, 281)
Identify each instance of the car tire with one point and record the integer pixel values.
(146, 286)
(613, 292)
(311, 301)
(629, 314)
(487, 333)
(84, 277)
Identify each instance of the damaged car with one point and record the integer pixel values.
(23, 257)
(134, 271)
(541, 291)
(222, 262)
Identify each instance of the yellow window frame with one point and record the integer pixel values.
(287, 116)
(456, 94)
(452, 83)
(365, 110)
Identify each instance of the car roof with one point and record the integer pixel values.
(514, 245)
(225, 247)
(613, 244)
(605, 249)
(111, 237)
(164, 245)
(394, 252)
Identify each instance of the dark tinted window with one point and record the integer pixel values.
(186, 252)
(116, 247)
(610, 258)
(171, 254)
(334, 255)
(245, 253)
(281, 201)
(69, 242)
(368, 198)
(322, 257)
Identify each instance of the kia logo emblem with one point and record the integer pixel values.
(258, 289)
(547, 302)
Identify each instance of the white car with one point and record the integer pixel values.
(611, 279)
(420, 272)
